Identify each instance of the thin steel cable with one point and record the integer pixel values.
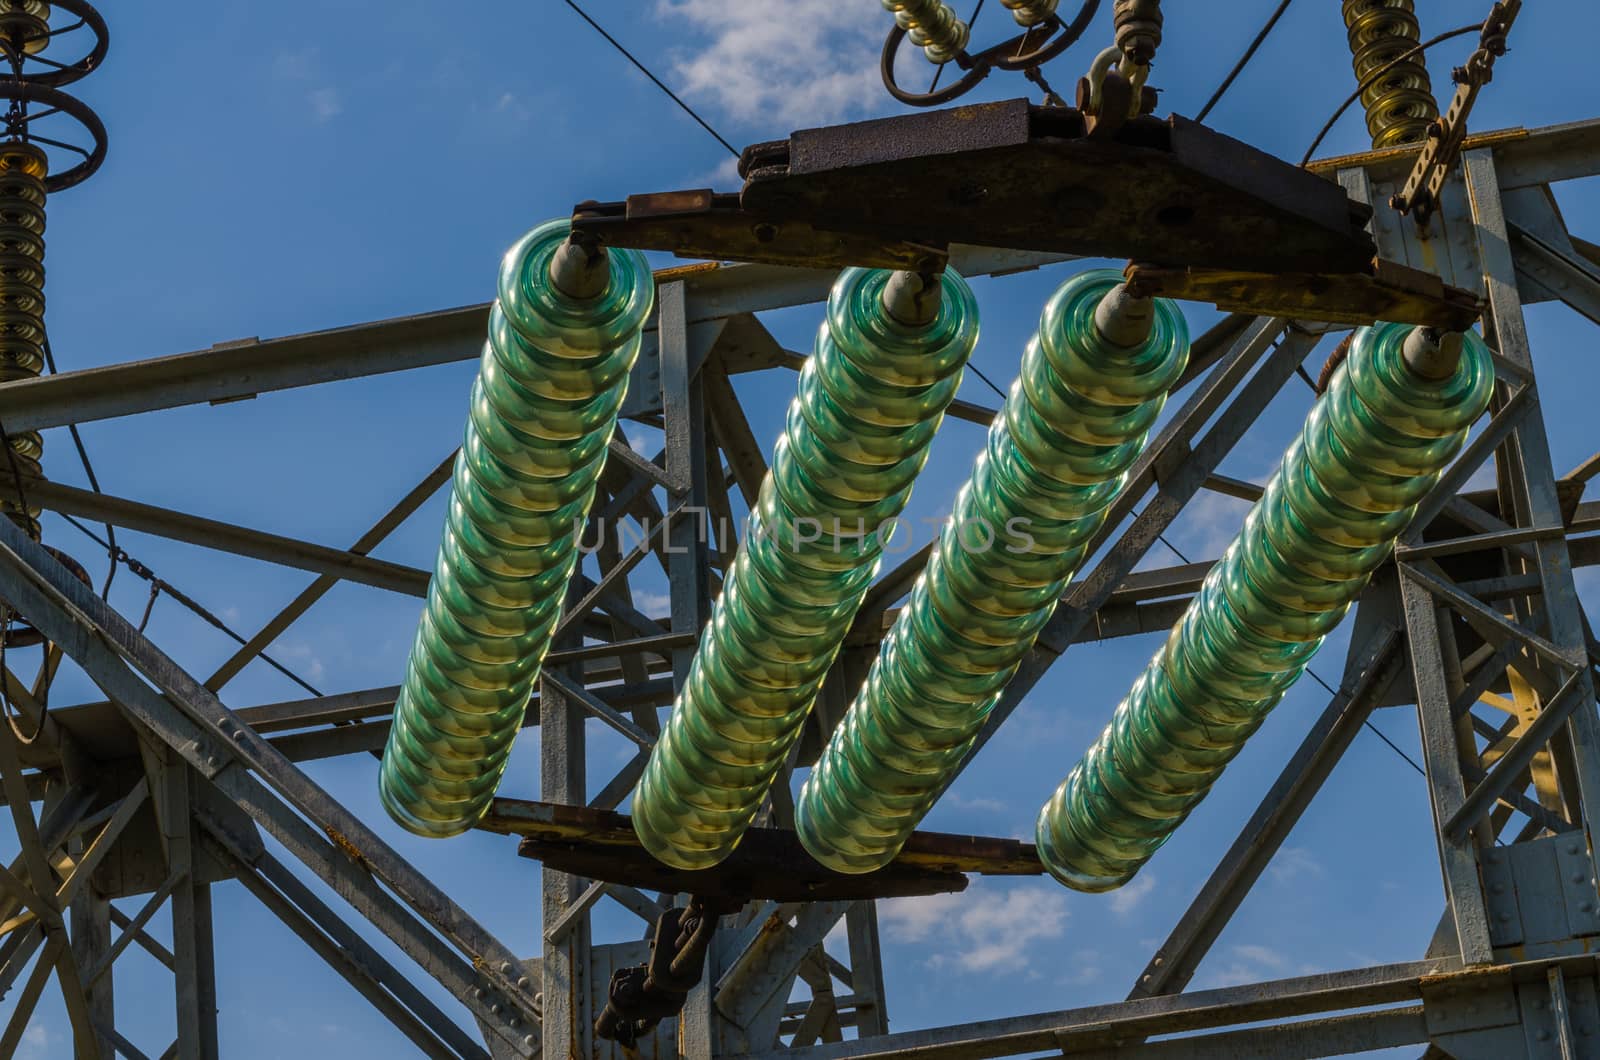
(1405, 56)
(94, 482)
(656, 80)
(161, 585)
(1244, 60)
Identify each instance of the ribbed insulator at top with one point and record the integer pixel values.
(1348, 486)
(23, 168)
(1399, 102)
(932, 25)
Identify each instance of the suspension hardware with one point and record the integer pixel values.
(1230, 219)
(641, 996)
(1421, 191)
(1045, 36)
(1114, 89)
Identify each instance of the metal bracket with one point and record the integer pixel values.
(1215, 217)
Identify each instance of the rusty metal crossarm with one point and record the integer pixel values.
(769, 863)
(1206, 216)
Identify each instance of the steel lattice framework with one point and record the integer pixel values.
(162, 793)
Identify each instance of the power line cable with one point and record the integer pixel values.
(94, 482)
(1373, 77)
(161, 585)
(658, 83)
(1244, 60)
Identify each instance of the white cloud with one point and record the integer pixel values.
(653, 604)
(303, 68)
(1126, 899)
(815, 64)
(36, 1042)
(981, 802)
(325, 104)
(1293, 862)
(977, 931)
(1248, 964)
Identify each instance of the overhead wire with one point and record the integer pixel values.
(1372, 78)
(1244, 60)
(94, 481)
(161, 585)
(626, 54)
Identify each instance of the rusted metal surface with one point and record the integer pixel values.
(768, 864)
(1391, 292)
(1006, 174)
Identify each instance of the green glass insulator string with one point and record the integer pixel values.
(856, 435)
(1075, 419)
(544, 405)
(1347, 488)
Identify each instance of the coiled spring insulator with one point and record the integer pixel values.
(23, 168)
(1055, 457)
(932, 26)
(1138, 29)
(1399, 103)
(869, 402)
(1348, 486)
(1030, 12)
(544, 405)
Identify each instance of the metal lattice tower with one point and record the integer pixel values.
(163, 793)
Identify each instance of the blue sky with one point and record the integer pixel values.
(375, 162)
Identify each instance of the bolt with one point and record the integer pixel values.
(505, 967)
(1575, 850)
(478, 992)
(1578, 878)
(494, 1009)
(523, 983)
(528, 1042)
(213, 761)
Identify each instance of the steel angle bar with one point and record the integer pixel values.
(1371, 669)
(340, 848)
(597, 707)
(102, 843)
(224, 537)
(1355, 1032)
(1470, 607)
(1501, 424)
(1446, 786)
(1552, 716)
(132, 930)
(345, 950)
(248, 367)
(1529, 478)
(11, 1039)
(1573, 280)
(146, 941)
(767, 967)
(1073, 1030)
(319, 588)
